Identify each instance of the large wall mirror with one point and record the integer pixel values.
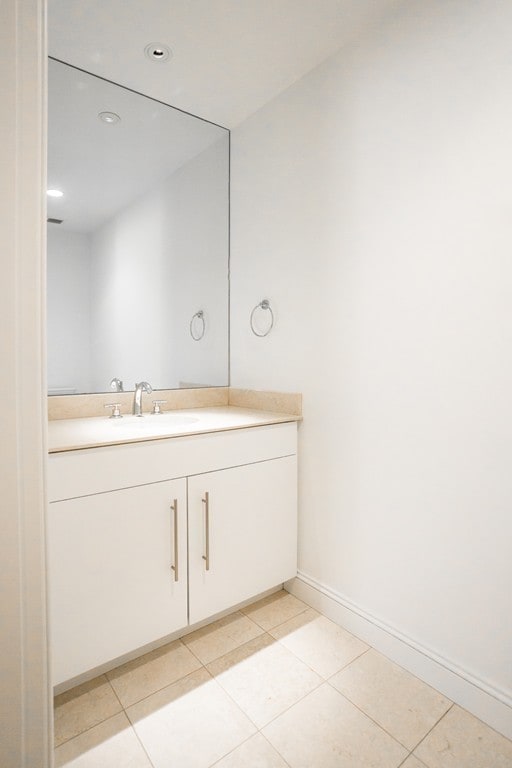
(137, 242)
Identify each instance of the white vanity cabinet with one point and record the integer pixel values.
(112, 561)
(221, 506)
(245, 532)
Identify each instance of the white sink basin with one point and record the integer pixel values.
(161, 422)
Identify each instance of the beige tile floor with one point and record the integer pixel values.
(276, 685)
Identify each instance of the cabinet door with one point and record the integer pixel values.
(250, 528)
(112, 586)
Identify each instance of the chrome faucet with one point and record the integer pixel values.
(143, 386)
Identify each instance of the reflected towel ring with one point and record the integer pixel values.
(200, 316)
(265, 305)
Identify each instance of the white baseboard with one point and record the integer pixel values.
(492, 706)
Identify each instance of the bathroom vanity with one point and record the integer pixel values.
(155, 528)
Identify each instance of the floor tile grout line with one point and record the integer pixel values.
(395, 738)
(344, 666)
(239, 706)
(130, 722)
(212, 765)
(115, 692)
(431, 729)
(259, 729)
(325, 679)
(232, 650)
(101, 722)
(263, 631)
(321, 682)
(301, 698)
(411, 754)
(140, 742)
(98, 680)
(90, 727)
(381, 727)
(347, 665)
(212, 679)
(276, 749)
(280, 623)
(196, 657)
(258, 732)
(159, 690)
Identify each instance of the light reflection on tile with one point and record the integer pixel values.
(319, 642)
(190, 724)
(263, 678)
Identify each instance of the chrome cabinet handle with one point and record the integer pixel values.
(206, 502)
(174, 509)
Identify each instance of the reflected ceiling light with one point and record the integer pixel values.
(157, 52)
(54, 193)
(109, 117)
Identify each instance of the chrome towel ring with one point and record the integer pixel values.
(265, 306)
(202, 327)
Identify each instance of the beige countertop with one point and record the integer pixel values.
(94, 432)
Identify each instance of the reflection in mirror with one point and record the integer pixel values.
(142, 243)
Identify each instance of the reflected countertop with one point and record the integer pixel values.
(94, 432)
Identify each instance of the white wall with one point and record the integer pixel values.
(69, 311)
(371, 204)
(154, 265)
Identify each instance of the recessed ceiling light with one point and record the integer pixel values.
(158, 52)
(54, 193)
(109, 117)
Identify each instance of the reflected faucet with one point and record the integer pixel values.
(116, 385)
(143, 386)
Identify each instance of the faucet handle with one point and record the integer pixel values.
(156, 406)
(116, 413)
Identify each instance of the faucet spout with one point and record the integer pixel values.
(143, 386)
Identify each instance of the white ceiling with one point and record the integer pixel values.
(102, 168)
(229, 56)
